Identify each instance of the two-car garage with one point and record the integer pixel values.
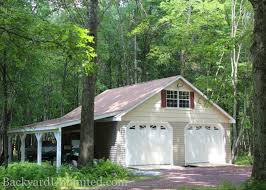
(152, 144)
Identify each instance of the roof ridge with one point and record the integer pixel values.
(141, 83)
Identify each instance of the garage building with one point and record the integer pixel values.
(166, 121)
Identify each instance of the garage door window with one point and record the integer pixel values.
(153, 126)
(142, 126)
(133, 127)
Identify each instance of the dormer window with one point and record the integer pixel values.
(177, 99)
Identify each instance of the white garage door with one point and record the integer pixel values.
(148, 143)
(204, 144)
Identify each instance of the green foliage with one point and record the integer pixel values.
(25, 171)
(244, 160)
(225, 186)
(45, 59)
(104, 169)
(101, 173)
(250, 185)
(48, 51)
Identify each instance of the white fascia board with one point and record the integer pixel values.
(51, 127)
(97, 117)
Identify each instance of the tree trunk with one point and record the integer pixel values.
(183, 62)
(87, 112)
(135, 61)
(123, 44)
(5, 114)
(258, 51)
(62, 104)
(235, 55)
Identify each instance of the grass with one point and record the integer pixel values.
(20, 176)
(245, 160)
(249, 185)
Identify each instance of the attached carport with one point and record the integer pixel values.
(39, 129)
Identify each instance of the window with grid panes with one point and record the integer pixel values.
(177, 99)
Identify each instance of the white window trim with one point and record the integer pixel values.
(188, 108)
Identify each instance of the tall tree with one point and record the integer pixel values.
(258, 51)
(88, 94)
(238, 29)
(5, 115)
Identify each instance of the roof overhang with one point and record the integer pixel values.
(46, 128)
(56, 126)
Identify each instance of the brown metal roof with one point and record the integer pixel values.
(114, 101)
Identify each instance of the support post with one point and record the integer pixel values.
(22, 147)
(39, 147)
(9, 148)
(58, 136)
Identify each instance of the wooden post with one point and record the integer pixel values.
(39, 148)
(22, 147)
(58, 136)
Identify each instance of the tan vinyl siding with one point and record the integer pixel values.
(151, 110)
(110, 141)
(178, 143)
(227, 142)
(118, 150)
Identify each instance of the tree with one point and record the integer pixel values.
(239, 22)
(258, 51)
(87, 112)
(29, 66)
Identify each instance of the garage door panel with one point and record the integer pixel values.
(204, 143)
(148, 145)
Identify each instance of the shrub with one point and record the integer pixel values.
(67, 176)
(22, 172)
(254, 185)
(244, 160)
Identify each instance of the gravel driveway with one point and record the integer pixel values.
(174, 178)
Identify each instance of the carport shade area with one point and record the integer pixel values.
(63, 132)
